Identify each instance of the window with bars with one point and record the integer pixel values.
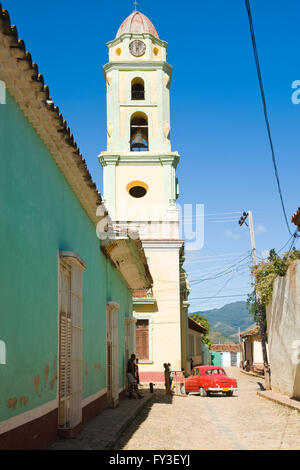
(142, 339)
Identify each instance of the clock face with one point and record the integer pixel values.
(137, 48)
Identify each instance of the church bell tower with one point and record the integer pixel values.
(139, 179)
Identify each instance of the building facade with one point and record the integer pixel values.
(66, 323)
(140, 186)
(226, 355)
(283, 327)
(195, 344)
(252, 350)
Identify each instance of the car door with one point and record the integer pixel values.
(190, 383)
(198, 380)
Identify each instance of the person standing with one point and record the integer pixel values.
(137, 377)
(131, 377)
(171, 376)
(167, 379)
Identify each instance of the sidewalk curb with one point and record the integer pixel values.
(280, 400)
(129, 421)
(251, 374)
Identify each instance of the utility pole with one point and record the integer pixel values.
(259, 305)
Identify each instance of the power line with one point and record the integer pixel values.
(265, 109)
(221, 273)
(219, 297)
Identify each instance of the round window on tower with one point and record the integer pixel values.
(137, 189)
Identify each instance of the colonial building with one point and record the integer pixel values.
(252, 350)
(226, 355)
(66, 323)
(195, 333)
(140, 185)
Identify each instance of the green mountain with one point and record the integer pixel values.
(225, 321)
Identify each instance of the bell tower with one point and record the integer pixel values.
(138, 166)
(139, 177)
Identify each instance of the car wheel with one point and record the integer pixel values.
(229, 394)
(202, 392)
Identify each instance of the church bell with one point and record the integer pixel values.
(138, 141)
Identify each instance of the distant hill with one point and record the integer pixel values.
(225, 321)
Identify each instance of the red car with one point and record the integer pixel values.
(207, 380)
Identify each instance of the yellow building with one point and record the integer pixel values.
(140, 187)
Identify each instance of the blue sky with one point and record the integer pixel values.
(217, 122)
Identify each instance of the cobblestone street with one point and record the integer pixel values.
(240, 422)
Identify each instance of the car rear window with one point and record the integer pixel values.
(215, 372)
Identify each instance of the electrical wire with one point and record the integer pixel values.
(247, 2)
(221, 273)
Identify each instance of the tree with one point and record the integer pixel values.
(205, 323)
(252, 309)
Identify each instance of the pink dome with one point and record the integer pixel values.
(137, 23)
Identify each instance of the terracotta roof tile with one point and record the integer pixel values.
(225, 347)
(253, 330)
(24, 61)
(193, 325)
(296, 218)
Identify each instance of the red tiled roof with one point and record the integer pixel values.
(225, 347)
(251, 331)
(193, 325)
(296, 218)
(41, 91)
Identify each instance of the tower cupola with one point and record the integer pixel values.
(137, 23)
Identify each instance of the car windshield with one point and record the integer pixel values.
(215, 372)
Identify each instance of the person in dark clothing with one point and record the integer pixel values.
(131, 377)
(137, 371)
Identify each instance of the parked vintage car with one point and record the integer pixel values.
(208, 380)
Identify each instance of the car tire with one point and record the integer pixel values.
(229, 394)
(202, 392)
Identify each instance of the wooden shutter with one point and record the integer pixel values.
(65, 345)
(70, 344)
(76, 333)
(142, 339)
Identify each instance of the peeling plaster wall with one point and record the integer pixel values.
(40, 215)
(283, 320)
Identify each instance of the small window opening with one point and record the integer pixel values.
(137, 189)
(139, 132)
(137, 89)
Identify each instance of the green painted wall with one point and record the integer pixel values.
(40, 215)
(216, 359)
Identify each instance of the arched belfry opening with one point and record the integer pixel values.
(139, 132)
(137, 89)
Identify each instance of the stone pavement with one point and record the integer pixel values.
(242, 422)
(103, 431)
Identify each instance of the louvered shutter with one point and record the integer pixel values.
(70, 342)
(65, 346)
